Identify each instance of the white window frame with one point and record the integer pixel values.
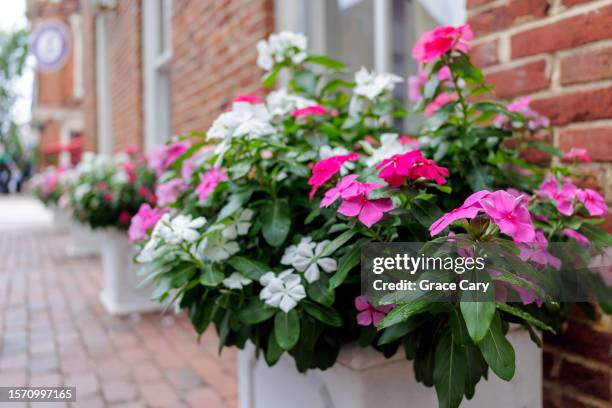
(157, 107)
(105, 142)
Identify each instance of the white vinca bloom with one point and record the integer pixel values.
(389, 145)
(181, 228)
(371, 85)
(283, 291)
(216, 248)
(306, 258)
(81, 190)
(328, 151)
(239, 224)
(120, 177)
(280, 47)
(291, 250)
(236, 281)
(282, 103)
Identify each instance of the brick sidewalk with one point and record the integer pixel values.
(53, 331)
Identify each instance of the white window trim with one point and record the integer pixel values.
(77, 51)
(155, 72)
(105, 140)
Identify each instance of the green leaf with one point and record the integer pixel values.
(545, 147)
(270, 78)
(211, 276)
(273, 351)
(449, 371)
(525, 316)
(287, 329)
(320, 291)
(398, 331)
(276, 223)
(305, 81)
(497, 350)
(248, 267)
(256, 312)
(322, 313)
(337, 243)
(326, 62)
(348, 261)
(474, 369)
(200, 314)
(403, 312)
(425, 212)
(480, 178)
(458, 327)
(477, 316)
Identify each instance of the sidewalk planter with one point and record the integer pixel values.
(363, 378)
(61, 219)
(83, 241)
(122, 293)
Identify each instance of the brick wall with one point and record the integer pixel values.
(89, 75)
(560, 53)
(213, 45)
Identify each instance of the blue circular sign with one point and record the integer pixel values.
(50, 45)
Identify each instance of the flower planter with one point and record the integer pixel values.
(83, 241)
(363, 378)
(61, 218)
(122, 292)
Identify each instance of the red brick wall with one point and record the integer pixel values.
(214, 56)
(560, 53)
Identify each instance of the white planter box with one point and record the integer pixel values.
(82, 240)
(363, 378)
(122, 292)
(61, 218)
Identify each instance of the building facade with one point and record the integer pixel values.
(156, 68)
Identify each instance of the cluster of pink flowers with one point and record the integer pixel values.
(417, 82)
(209, 181)
(163, 156)
(143, 221)
(250, 99)
(535, 120)
(50, 180)
(577, 154)
(314, 110)
(505, 210)
(566, 195)
(439, 41)
(537, 252)
(167, 193)
(368, 314)
(411, 165)
(325, 169)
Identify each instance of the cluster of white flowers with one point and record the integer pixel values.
(389, 145)
(284, 290)
(372, 85)
(280, 47)
(306, 257)
(282, 103)
(244, 119)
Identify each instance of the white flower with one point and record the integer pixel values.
(281, 102)
(372, 85)
(290, 251)
(238, 225)
(389, 145)
(306, 257)
(216, 248)
(180, 228)
(81, 190)
(244, 119)
(236, 281)
(283, 291)
(120, 177)
(280, 47)
(327, 151)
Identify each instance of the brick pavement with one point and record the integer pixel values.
(53, 331)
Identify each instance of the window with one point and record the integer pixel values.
(157, 49)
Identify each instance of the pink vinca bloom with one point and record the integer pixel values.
(162, 157)
(468, 210)
(412, 142)
(346, 188)
(326, 169)
(143, 221)
(416, 84)
(369, 314)
(577, 153)
(167, 193)
(433, 44)
(444, 74)
(132, 149)
(440, 101)
(564, 196)
(428, 169)
(49, 182)
(397, 167)
(537, 252)
(581, 239)
(314, 110)
(124, 217)
(510, 215)
(209, 181)
(250, 99)
(521, 105)
(593, 201)
(369, 212)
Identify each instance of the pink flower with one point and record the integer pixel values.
(397, 167)
(50, 180)
(130, 170)
(314, 110)
(577, 153)
(581, 239)
(416, 84)
(538, 253)
(168, 192)
(369, 314)
(564, 197)
(108, 197)
(209, 181)
(132, 149)
(191, 164)
(409, 141)
(444, 74)
(593, 201)
(250, 99)
(504, 210)
(440, 101)
(326, 169)
(433, 44)
(428, 169)
(143, 221)
(163, 156)
(521, 105)
(369, 212)
(347, 187)
(124, 217)
(145, 193)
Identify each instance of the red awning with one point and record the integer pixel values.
(74, 146)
